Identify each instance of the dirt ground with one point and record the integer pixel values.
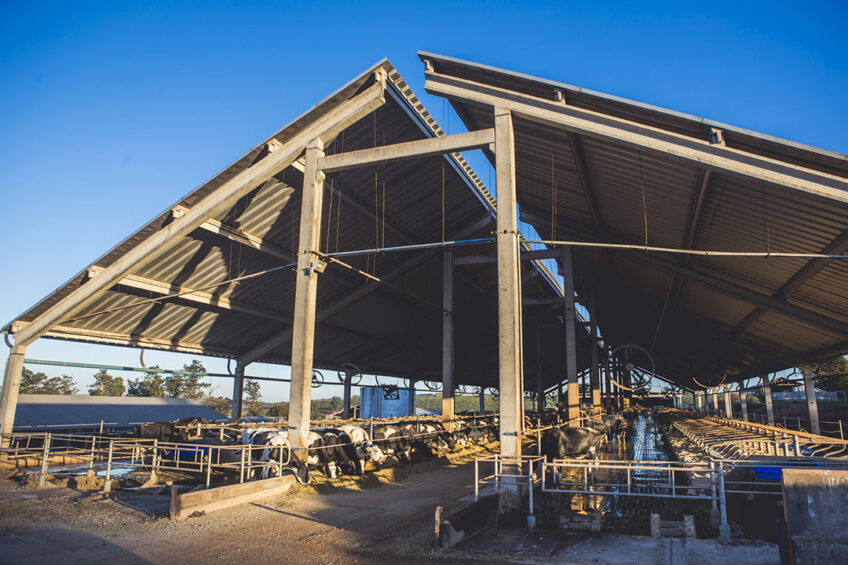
(378, 520)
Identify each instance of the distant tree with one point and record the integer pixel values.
(833, 374)
(187, 386)
(253, 398)
(31, 382)
(39, 383)
(151, 384)
(220, 404)
(107, 385)
(60, 385)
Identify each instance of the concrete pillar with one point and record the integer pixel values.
(743, 403)
(346, 394)
(715, 403)
(11, 387)
(306, 291)
(448, 402)
(540, 389)
(510, 364)
(238, 392)
(411, 406)
(728, 404)
(626, 395)
(768, 400)
(595, 381)
(812, 405)
(573, 390)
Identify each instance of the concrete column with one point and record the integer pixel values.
(768, 400)
(11, 387)
(626, 395)
(411, 407)
(573, 390)
(595, 381)
(306, 291)
(715, 402)
(238, 392)
(812, 405)
(346, 396)
(728, 404)
(743, 404)
(448, 401)
(510, 364)
(540, 389)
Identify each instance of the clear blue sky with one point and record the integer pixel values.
(109, 112)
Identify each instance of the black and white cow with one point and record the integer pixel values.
(560, 443)
(393, 439)
(357, 447)
(277, 449)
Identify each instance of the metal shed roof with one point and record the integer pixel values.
(391, 327)
(703, 316)
(78, 410)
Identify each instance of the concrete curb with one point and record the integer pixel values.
(184, 505)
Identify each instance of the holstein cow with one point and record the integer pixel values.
(611, 424)
(357, 447)
(560, 443)
(277, 449)
(393, 440)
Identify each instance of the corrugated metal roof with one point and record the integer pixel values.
(395, 329)
(699, 325)
(64, 411)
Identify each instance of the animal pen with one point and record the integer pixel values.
(708, 258)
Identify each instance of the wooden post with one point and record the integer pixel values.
(238, 391)
(812, 405)
(482, 398)
(768, 400)
(570, 336)
(306, 290)
(510, 364)
(743, 404)
(728, 404)
(11, 387)
(447, 341)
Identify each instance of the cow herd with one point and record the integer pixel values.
(348, 449)
(333, 451)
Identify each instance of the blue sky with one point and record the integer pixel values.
(109, 112)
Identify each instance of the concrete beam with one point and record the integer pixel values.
(363, 291)
(743, 293)
(213, 205)
(408, 150)
(306, 293)
(151, 286)
(713, 156)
